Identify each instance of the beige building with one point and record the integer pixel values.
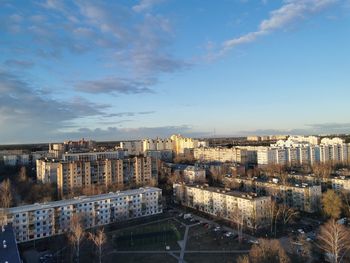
(341, 183)
(117, 172)
(220, 154)
(249, 209)
(31, 222)
(303, 197)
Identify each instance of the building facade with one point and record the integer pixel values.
(303, 197)
(117, 172)
(250, 210)
(31, 222)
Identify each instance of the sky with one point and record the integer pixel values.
(117, 70)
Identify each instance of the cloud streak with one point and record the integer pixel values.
(290, 12)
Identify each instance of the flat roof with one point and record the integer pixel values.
(81, 199)
(9, 254)
(239, 194)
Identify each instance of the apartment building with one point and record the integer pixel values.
(220, 154)
(303, 197)
(249, 209)
(16, 159)
(133, 147)
(157, 144)
(138, 170)
(78, 174)
(340, 183)
(193, 174)
(46, 170)
(94, 156)
(31, 222)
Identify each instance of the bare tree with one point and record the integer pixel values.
(238, 218)
(287, 214)
(272, 211)
(99, 239)
(243, 259)
(3, 217)
(5, 194)
(76, 234)
(268, 251)
(333, 239)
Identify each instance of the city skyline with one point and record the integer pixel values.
(152, 68)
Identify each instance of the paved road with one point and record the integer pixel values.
(183, 247)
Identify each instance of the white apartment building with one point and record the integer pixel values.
(180, 143)
(193, 174)
(16, 159)
(304, 154)
(31, 222)
(341, 183)
(94, 156)
(133, 147)
(157, 144)
(230, 205)
(176, 143)
(220, 154)
(46, 170)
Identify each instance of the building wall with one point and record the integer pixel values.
(252, 210)
(37, 221)
(46, 171)
(303, 197)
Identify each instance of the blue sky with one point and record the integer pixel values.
(111, 70)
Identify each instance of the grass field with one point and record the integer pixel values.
(155, 236)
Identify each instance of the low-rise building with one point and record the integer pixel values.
(242, 208)
(304, 197)
(340, 183)
(31, 222)
(193, 174)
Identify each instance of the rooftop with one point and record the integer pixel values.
(248, 196)
(81, 199)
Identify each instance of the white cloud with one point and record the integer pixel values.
(290, 12)
(145, 5)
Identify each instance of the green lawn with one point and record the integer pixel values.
(155, 236)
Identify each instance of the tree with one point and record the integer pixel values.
(3, 217)
(331, 204)
(238, 218)
(273, 213)
(5, 194)
(99, 239)
(76, 234)
(243, 259)
(268, 251)
(333, 239)
(287, 214)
